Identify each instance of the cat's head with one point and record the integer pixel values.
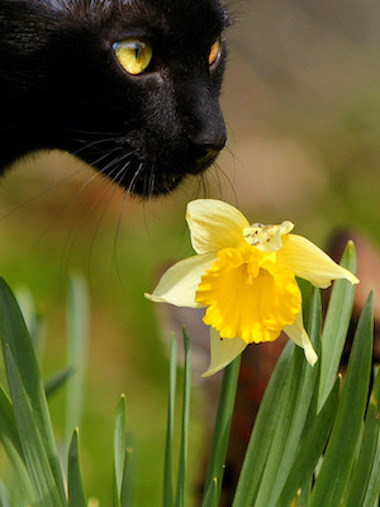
(131, 86)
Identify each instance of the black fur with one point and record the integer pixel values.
(61, 86)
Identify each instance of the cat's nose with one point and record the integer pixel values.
(205, 150)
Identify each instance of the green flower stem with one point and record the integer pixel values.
(168, 498)
(223, 426)
(182, 468)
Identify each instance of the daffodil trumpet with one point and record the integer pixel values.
(245, 277)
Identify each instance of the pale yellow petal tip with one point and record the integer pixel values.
(210, 372)
(352, 278)
(310, 354)
(215, 368)
(152, 297)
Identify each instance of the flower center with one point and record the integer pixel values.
(248, 295)
(267, 238)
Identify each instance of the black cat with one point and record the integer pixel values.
(129, 86)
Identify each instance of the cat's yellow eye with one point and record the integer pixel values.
(134, 55)
(215, 53)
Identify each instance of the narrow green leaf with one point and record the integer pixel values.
(336, 325)
(4, 498)
(57, 380)
(74, 474)
(33, 449)
(115, 492)
(120, 442)
(222, 428)
(12, 445)
(77, 344)
(263, 432)
(212, 494)
(340, 453)
(26, 303)
(296, 402)
(282, 426)
(119, 450)
(373, 485)
(366, 460)
(311, 449)
(168, 498)
(122, 469)
(127, 488)
(182, 468)
(8, 427)
(15, 336)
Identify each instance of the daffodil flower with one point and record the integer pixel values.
(245, 275)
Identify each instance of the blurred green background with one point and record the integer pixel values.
(302, 105)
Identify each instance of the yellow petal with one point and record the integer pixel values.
(308, 261)
(223, 352)
(179, 283)
(214, 225)
(297, 333)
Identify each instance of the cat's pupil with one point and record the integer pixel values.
(134, 55)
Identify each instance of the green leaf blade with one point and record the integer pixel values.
(336, 325)
(74, 475)
(212, 494)
(215, 471)
(119, 447)
(366, 461)
(77, 317)
(263, 433)
(340, 453)
(10, 439)
(296, 405)
(311, 449)
(365, 483)
(15, 338)
(122, 469)
(54, 383)
(36, 459)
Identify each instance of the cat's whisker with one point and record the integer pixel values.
(53, 187)
(221, 173)
(152, 182)
(92, 132)
(205, 187)
(166, 185)
(119, 174)
(135, 177)
(117, 232)
(127, 194)
(74, 231)
(212, 177)
(96, 143)
(196, 192)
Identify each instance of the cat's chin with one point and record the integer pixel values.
(143, 188)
